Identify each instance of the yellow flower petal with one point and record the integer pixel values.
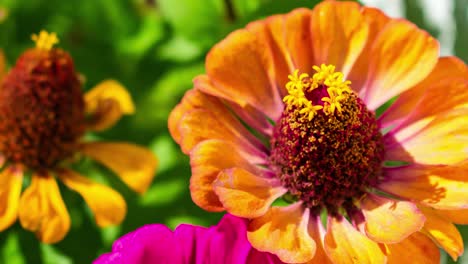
(441, 187)
(283, 231)
(345, 244)
(245, 194)
(106, 103)
(41, 209)
(443, 232)
(108, 206)
(317, 233)
(417, 248)
(390, 221)
(11, 179)
(135, 165)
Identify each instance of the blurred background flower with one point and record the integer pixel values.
(155, 48)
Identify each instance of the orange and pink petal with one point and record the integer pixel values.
(283, 231)
(245, 194)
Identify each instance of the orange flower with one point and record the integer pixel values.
(287, 109)
(43, 116)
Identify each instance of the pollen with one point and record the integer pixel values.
(45, 40)
(324, 91)
(41, 107)
(326, 148)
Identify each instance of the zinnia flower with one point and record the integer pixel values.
(155, 243)
(43, 117)
(289, 111)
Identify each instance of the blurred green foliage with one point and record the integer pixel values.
(155, 48)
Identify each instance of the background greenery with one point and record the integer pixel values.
(155, 48)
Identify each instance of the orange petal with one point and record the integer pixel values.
(443, 232)
(402, 56)
(41, 209)
(448, 82)
(455, 216)
(339, 34)
(417, 248)
(107, 205)
(344, 243)
(441, 187)
(135, 165)
(106, 103)
(208, 159)
(240, 69)
(390, 221)
(11, 179)
(440, 141)
(246, 195)
(317, 233)
(298, 38)
(376, 21)
(283, 231)
(3, 66)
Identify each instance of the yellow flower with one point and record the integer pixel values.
(287, 111)
(43, 117)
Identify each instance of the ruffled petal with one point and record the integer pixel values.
(390, 221)
(246, 195)
(417, 248)
(441, 187)
(107, 205)
(240, 69)
(339, 34)
(443, 232)
(296, 33)
(41, 209)
(283, 231)
(441, 141)
(135, 165)
(207, 160)
(448, 82)
(376, 21)
(11, 180)
(344, 243)
(106, 103)
(402, 56)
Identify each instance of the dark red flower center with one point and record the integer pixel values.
(41, 109)
(328, 159)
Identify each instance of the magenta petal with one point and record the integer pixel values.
(153, 243)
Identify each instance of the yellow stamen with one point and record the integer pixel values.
(45, 40)
(298, 85)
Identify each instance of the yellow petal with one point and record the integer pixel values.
(106, 103)
(107, 205)
(42, 210)
(317, 233)
(11, 179)
(443, 232)
(390, 221)
(345, 244)
(441, 187)
(417, 248)
(245, 194)
(442, 140)
(135, 165)
(283, 231)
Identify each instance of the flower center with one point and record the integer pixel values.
(41, 106)
(327, 147)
